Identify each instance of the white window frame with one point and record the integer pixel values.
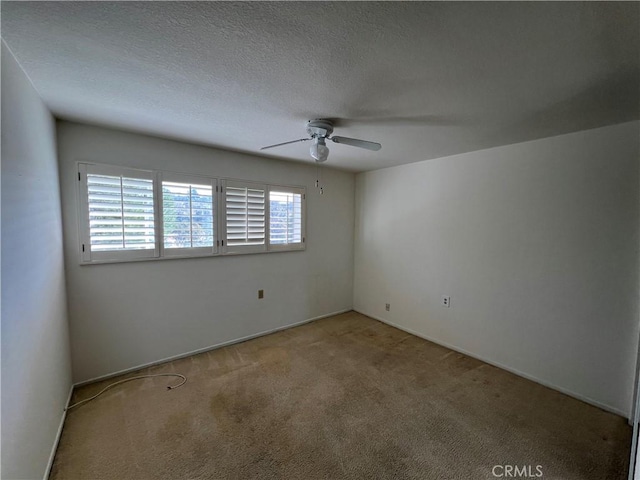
(159, 252)
(279, 247)
(239, 249)
(188, 179)
(86, 254)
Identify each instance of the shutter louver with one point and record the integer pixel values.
(245, 216)
(121, 213)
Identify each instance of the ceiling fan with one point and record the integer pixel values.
(319, 131)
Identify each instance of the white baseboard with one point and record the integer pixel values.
(54, 448)
(206, 349)
(570, 393)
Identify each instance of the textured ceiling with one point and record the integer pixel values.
(424, 79)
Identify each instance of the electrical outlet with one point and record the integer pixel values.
(260, 293)
(387, 306)
(445, 301)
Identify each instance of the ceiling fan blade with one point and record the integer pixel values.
(285, 143)
(354, 142)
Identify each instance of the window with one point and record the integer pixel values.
(285, 218)
(245, 217)
(188, 215)
(119, 220)
(127, 214)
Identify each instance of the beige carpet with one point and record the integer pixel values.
(344, 397)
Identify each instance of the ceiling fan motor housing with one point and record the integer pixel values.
(319, 128)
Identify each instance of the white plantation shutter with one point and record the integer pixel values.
(245, 217)
(128, 214)
(120, 218)
(286, 218)
(188, 215)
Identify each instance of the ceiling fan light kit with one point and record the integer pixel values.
(319, 150)
(319, 131)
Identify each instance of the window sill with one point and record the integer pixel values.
(188, 257)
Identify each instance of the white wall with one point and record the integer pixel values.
(129, 314)
(36, 368)
(537, 245)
